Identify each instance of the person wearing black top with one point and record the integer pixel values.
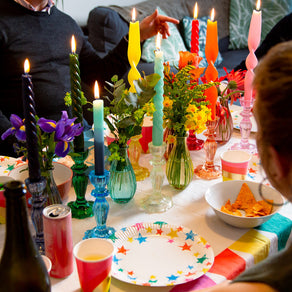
(37, 30)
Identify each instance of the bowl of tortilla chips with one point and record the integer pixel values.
(238, 202)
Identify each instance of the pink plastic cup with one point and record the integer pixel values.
(235, 164)
(94, 260)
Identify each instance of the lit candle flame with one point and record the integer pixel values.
(134, 14)
(96, 90)
(73, 45)
(196, 11)
(258, 5)
(212, 14)
(158, 41)
(26, 66)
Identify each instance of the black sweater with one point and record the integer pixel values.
(45, 39)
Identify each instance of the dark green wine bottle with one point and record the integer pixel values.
(21, 267)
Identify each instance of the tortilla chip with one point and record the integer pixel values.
(226, 210)
(246, 201)
(245, 198)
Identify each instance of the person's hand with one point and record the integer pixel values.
(155, 23)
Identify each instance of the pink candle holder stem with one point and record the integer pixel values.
(209, 170)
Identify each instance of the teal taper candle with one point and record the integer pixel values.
(98, 133)
(157, 131)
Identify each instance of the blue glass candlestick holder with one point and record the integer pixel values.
(38, 201)
(100, 206)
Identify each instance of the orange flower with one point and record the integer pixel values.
(188, 58)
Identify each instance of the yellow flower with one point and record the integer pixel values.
(167, 102)
(149, 108)
(192, 108)
(190, 125)
(170, 139)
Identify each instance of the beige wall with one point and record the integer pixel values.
(79, 9)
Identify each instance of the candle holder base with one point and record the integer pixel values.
(251, 148)
(81, 211)
(205, 172)
(100, 207)
(156, 202)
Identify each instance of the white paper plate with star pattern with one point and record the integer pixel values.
(159, 254)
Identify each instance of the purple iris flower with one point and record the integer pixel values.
(65, 132)
(17, 129)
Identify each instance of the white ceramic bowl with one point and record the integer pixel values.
(218, 194)
(62, 175)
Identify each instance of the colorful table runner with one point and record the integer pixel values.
(254, 246)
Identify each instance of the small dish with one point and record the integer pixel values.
(62, 175)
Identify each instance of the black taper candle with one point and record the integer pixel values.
(77, 110)
(30, 125)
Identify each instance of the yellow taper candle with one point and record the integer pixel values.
(134, 51)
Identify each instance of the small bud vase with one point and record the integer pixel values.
(179, 166)
(122, 182)
(135, 150)
(224, 129)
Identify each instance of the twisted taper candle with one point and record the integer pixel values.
(30, 126)
(76, 98)
(211, 52)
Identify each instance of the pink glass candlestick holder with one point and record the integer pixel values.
(245, 127)
(209, 170)
(193, 142)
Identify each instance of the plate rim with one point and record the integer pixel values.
(121, 231)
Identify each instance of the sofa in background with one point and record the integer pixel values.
(107, 25)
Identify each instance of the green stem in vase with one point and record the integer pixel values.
(76, 96)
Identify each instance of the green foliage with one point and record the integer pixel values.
(184, 99)
(125, 114)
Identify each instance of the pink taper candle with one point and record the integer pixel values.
(254, 38)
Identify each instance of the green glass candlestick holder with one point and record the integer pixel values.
(81, 208)
(100, 206)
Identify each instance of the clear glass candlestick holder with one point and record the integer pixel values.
(245, 127)
(209, 170)
(100, 206)
(156, 202)
(38, 201)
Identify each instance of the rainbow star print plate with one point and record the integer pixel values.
(159, 254)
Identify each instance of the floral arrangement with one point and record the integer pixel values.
(54, 138)
(125, 114)
(234, 86)
(185, 107)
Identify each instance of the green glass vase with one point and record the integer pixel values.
(122, 183)
(179, 166)
(81, 208)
